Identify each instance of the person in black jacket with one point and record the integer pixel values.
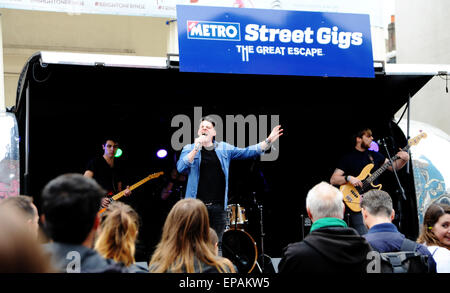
(331, 246)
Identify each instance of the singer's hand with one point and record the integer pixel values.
(275, 134)
(201, 140)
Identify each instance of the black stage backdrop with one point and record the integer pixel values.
(72, 107)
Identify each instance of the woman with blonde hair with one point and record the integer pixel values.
(435, 234)
(117, 236)
(185, 245)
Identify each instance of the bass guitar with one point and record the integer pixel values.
(352, 194)
(134, 186)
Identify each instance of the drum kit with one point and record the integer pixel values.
(238, 245)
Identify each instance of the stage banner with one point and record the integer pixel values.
(278, 42)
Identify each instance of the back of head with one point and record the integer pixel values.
(185, 240)
(23, 202)
(213, 240)
(324, 200)
(70, 203)
(377, 203)
(20, 251)
(186, 224)
(25, 205)
(213, 236)
(118, 233)
(432, 215)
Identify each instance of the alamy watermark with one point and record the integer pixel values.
(258, 130)
(74, 265)
(374, 265)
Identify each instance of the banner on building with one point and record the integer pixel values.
(279, 42)
(167, 8)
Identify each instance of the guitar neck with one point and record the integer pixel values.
(136, 185)
(383, 168)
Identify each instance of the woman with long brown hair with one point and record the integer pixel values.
(117, 237)
(435, 234)
(185, 245)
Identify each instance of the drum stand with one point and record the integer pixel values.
(262, 255)
(261, 268)
(236, 216)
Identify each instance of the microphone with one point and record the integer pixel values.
(199, 144)
(386, 140)
(381, 141)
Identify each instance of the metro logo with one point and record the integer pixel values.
(210, 30)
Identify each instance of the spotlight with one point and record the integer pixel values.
(162, 153)
(118, 153)
(374, 146)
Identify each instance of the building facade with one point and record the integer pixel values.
(422, 38)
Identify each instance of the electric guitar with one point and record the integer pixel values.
(136, 185)
(351, 193)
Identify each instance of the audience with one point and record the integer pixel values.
(26, 205)
(331, 246)
(70, 204)
(185, 245)
(214, 240)
(435, 234)
(117, 235)
(378, 213)
(20, 251)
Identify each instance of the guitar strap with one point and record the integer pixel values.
(370, 157)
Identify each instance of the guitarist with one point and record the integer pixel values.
(351, 165)
(106, 171)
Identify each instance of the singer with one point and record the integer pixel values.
(206, 163)
(354, 162)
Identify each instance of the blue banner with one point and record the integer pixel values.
(279, 42)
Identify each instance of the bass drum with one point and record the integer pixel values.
(240, 248)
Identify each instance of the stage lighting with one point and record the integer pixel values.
(162, 153)
(374, 146)
(118, 153)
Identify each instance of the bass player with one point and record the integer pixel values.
(351, 165)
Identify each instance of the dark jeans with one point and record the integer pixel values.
(217, 221)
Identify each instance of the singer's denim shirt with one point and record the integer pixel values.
(225, 152)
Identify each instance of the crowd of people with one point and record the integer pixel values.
(79, 239)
